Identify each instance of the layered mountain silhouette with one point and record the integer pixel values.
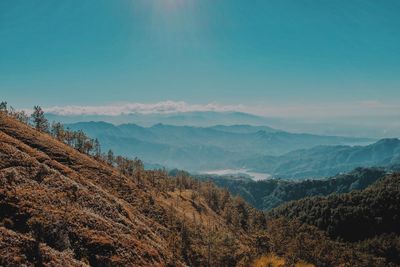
(324, 161)
(61, 207)
(193, 118)
(202, 148)
(355, 126)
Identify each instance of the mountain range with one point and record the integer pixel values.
(62, 207)
(194, 118)
(202, 148)
(375, 127)
(324, 161)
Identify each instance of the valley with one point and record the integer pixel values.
(63, 206)
(255, 176)
(199, 133)
(201, 149)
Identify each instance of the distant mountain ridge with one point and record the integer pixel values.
(324, 161)
(61, 207)
(337, 127)
(201, 148)
(195, 118)
(268, 194)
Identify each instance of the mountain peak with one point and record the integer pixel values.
(388, 141)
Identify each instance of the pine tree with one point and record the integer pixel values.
(110, 157)
(3, 106)
(39, 120)
(139, 168)
(97, 148)
(185, 242)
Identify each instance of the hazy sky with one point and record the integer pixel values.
(258, 53)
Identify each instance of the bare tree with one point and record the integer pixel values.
(57, 130)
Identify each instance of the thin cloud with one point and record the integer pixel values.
(322, 110)
(164, 107)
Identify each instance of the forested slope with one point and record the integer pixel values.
(369, 218)
(268, 194)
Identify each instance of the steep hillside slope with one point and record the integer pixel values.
(70, 200)
(324, 161)
(62, 207)
(59, 207)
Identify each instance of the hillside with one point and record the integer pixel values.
(369, 219)
(268, 194)
(62, 207)
(201, 148)
(325, 161)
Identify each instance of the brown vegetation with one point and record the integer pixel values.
(62, 204)
(73, 207)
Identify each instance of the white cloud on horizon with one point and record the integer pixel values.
(164, 107)
(367, 108)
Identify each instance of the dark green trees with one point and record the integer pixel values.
(39, 120)
(3, 106)
(97, 148)
(110, 157)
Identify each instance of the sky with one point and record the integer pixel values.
(270, 57)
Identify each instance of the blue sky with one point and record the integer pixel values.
(277, 53)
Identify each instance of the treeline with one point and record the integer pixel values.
(76, 139)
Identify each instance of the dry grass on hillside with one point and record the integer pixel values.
(70, 207)
(59, 207)
(274, 261)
